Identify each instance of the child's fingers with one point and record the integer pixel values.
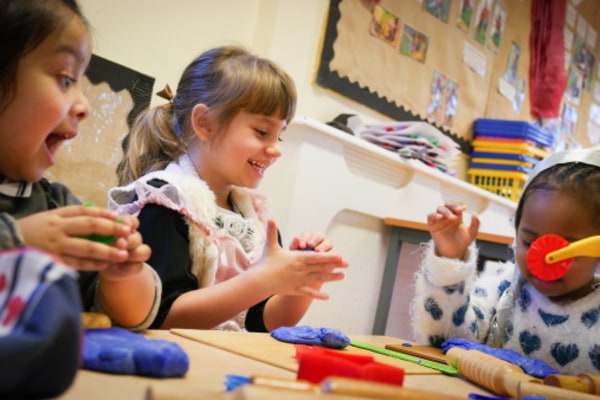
(323, 259)
(131, 221)
(140, 254)
(474, 227)
(82, 248)
(308, 240)
(272, 239)
(88, 225)
(323, 246)
(81, 209)
(313, 293)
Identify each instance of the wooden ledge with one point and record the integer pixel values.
(487, 237)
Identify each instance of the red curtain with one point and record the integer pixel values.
(547, 77)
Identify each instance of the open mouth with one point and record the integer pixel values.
(54, 140)
(259, 167)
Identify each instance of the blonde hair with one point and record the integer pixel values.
(227, 79)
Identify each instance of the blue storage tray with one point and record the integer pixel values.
(516, 168)
(505, 156)
(513, 129)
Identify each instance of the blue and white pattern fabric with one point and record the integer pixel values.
(498, 308)
(40, 325)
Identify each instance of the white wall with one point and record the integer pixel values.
(159, 38)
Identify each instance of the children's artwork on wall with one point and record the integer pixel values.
(579, 53)
(574, 85)
(414, 44)
(438, 8)
(590, 37)
(569, 118)
(482, 21)
(389, 82)
(594, 115)
(593, 134)
(497, 29)
(436, 106)
(87, 164)
(450, 103)
(465, 15)
(385, 25)
(510, 75)
(583, 58)
(588, 74)
(519, 96)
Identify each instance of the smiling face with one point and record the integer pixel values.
(556, 212)
(49, 103)
(240, 154)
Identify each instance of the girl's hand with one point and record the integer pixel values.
(139, 253)
(311, 241)
(299, 272)
(60, 232)
(450, 235)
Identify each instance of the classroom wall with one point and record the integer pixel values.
(159, 38)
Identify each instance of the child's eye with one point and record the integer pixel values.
(525, 243)
(66, 81)
(280, 138)
(260, 132)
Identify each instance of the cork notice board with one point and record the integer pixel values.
(449, 62)
(429, 60)
(87, 164)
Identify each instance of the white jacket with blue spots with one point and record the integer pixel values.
(499, 308)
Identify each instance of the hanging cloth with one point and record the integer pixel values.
(547, 75)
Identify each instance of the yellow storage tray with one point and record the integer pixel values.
(507, 184)
(514, 147)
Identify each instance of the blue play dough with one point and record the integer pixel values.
(531, 366)
(119, 351)
(326, 337)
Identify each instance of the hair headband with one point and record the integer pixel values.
(590, 156)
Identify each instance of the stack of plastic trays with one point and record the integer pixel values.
(504, 152)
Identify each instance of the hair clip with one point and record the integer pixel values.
(166, 93)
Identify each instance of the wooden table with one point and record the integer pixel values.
(490, 246)
(213, 354)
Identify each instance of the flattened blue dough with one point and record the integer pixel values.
(531, 366)
(120, 351)
(304, 334)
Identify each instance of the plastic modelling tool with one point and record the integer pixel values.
(316, 363)
(446, 369)
(550, 256)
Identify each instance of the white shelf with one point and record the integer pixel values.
(330, 181)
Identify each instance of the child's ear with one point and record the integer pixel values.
(201, 122)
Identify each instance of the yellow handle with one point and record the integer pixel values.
(589, 247)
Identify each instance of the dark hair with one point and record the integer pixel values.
(579, 180)
(24, 24)
(228, 80)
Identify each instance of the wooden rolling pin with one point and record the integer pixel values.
(377, 390)
(355, 388)
(504, 378)
(585, 383)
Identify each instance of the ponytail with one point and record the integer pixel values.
(151, 145)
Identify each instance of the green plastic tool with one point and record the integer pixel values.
(446, 369)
